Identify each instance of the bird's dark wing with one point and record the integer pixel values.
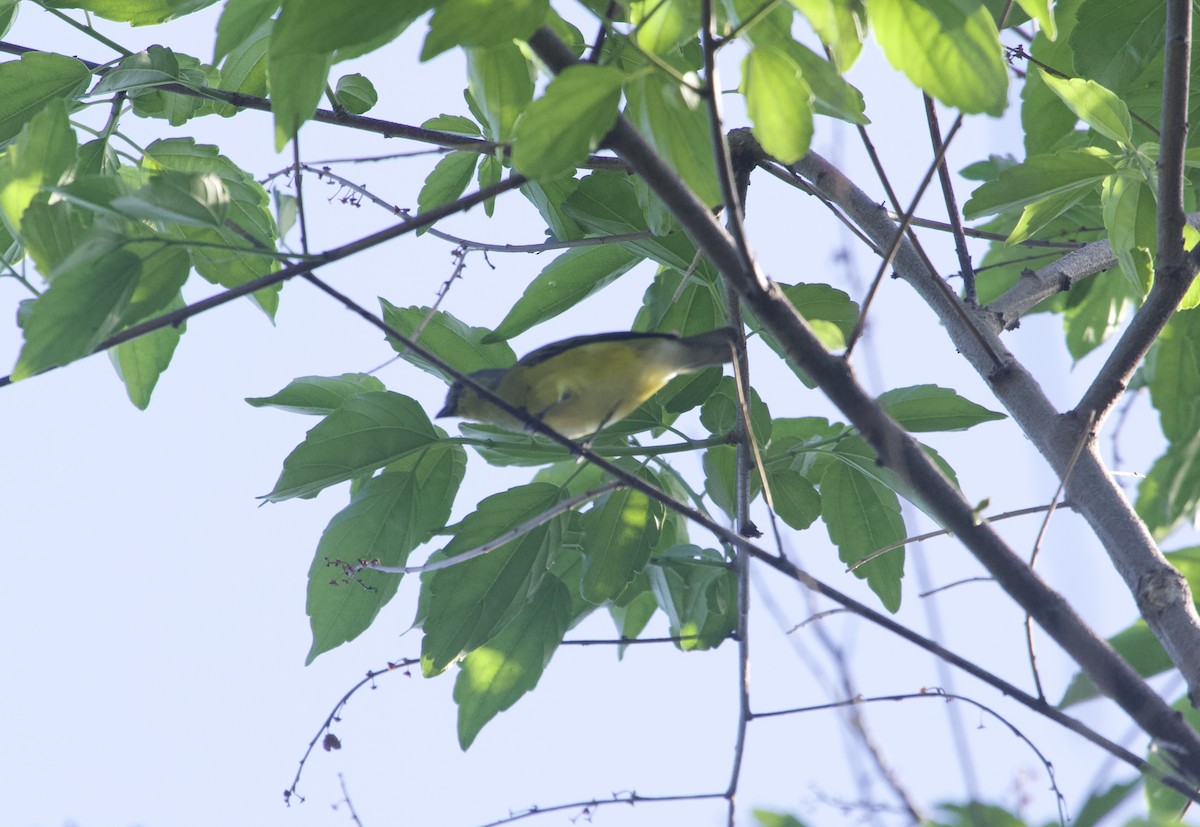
(553, 349)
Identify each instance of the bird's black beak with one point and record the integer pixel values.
(451, 406)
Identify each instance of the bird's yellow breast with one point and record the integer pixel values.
(581, 390)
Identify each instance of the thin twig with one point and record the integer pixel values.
(938, 694)
(966, 269)
(490, 546)
(879, 552)
(1085, 436)
(325, 727)
(585, 808)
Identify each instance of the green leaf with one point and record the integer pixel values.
(1187, 561)
(465, 605)
(150, 102)
(549, 197)
(38, 159)
(501, 447)
(831, 94)
(1100, 313)
(697, 591)
(482, 23)
(245, 69)
(1170, 492)
(239, 20)
(139, 362)
(976, 814)
(720, 475)
(722, 411)
(82, 308)
(500, 82)
(923, 408)
(367, 432)
(355, 94)
(97, 158)
(1137, 645)
(52, 232)
(1131, 219)
(1099, 805)
(1071, 172)
(28, 85)
(862, 515)
(447, 182)
(770, 819)
(309, 27)
(195, 200)
(1093, 104)
(605, 203)
(840, 25)
(619, 532)
(153, 67)
(796, 499)
(137, 12)
(948, 48)
(8, 15)
(297, 84)
(559, 129)
(689, 390)
(462, 346)
(496, 675)
(228, 257)
(778, 102)
(564, 283)
(1043, 13)
(318, 395)
(661, 25)
(1114, 40)
(388, 517)
(674, 122)
(454, 124)
(1039, 215)
(830, 312)
(1172, 373)
(632, 611)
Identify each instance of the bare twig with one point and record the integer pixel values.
(323, 733)
(586, 808)
(938, 694)
(491, 545)
(966, 269)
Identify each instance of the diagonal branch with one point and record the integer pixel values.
(896, 449)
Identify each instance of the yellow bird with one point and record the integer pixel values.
(580, 385)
